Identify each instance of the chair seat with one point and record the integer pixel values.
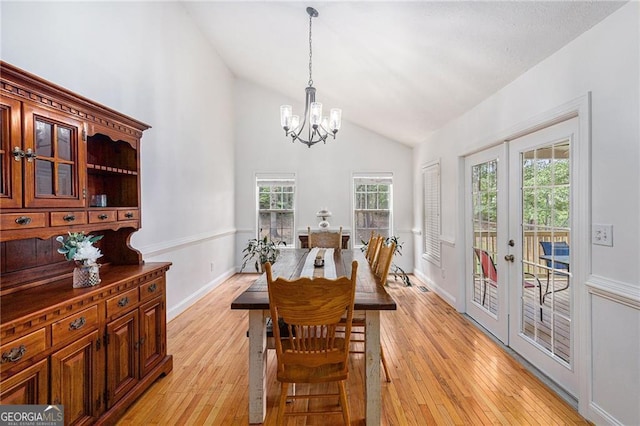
(322, 374)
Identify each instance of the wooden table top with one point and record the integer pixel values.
(370, 295)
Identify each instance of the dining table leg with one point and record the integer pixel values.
(373, 404)
(257, 366)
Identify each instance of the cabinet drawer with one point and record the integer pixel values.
(151, 289)
(75, 326)
(22, 349)
(22, 220)
(132, 214)
(122, 303)
(68, 218)
(102, 216)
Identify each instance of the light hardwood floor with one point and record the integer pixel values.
(444, 371)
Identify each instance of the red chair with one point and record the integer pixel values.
(489, 272)
(490, 275)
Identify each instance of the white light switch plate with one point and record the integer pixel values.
(602, 235)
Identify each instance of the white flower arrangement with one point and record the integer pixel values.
(79, 247)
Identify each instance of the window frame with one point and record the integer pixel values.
(273, 180)
(370, 178)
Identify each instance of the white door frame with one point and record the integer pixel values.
(581, 224)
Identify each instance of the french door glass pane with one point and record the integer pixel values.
(484, 184)
(546, 293)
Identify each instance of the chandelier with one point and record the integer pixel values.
(319, 127)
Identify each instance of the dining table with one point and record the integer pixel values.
(371, 297)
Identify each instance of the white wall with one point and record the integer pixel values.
(323, 172)
(604, 61)
(148, 61)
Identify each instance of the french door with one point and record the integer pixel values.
(487, 289)
(520, 222)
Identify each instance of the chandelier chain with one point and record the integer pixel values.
(310, 53)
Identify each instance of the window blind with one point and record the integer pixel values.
(431, 176)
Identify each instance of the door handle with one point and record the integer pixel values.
(509, 258)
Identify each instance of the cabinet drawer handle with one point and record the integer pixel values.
(123, 302)
(152, 288)
(23, 220)
(77, 324)
(103, 216)
(69, 218)
(128, 215)
(14, 354)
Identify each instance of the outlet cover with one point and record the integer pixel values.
(602, 235)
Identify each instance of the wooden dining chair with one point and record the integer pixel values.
(381, 271)
(385, 258)
(367, 253)
(325, 239)
(316, 346)
(372, 258)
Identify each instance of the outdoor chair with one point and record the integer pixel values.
(552, 249)
(490, 275)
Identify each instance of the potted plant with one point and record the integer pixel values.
(264, 250)
(395, 269)
(78, 246)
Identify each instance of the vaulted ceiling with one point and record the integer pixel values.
(401, 69)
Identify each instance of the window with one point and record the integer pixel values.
(431, 181)
(372, 206)
(275, 199)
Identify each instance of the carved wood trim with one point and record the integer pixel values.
(31, 88)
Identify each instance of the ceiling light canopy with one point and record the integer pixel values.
(319, 127)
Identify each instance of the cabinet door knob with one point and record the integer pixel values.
(30, 155)
(17, 153)
(14, 354)
(128, 215)
(69, 218)
(23, 220)
(152, 288)
(123, 302)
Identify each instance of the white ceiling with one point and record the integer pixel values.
(401, 69)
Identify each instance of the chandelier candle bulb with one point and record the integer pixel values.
(316, 114)
(285, 116)
(336, 119)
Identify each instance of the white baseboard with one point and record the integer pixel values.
(435, 288)
(203, 291)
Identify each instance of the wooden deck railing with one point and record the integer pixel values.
(530, 245)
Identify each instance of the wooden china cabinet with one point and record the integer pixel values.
(96, 349)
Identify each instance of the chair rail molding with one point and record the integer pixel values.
(617, 291)
(157, 249)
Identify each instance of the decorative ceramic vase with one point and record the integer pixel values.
(323, 214)
(86, 275)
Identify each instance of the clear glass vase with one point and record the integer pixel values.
(86, 275)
